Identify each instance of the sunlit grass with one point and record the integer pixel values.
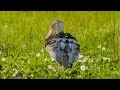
(22, 52)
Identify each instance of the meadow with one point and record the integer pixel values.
(22, 44)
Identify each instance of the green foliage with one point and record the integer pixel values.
(23, 55)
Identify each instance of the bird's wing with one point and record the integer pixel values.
(64, 49)
(73, 49)
(67, 49)
(60, 45)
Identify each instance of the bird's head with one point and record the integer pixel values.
(56, 27)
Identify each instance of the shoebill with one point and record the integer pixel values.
(62, 47)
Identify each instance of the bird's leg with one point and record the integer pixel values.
(70, 65)
(65, 61)
(61, 62)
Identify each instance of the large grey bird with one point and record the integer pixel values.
(62, 47)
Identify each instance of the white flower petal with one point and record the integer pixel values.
(42, 50)
(24, 47)
(81, 56)
(99, 46)
(15, 72)
(82, 67)
(85, 59)
(50, 67)
(104, 58)
(3, 59)
(28, 61)
(103, 49)
(4, 71)
(38, 54)
(46, 59)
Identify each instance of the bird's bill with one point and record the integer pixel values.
(50, 34)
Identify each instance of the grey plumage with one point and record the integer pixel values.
(62, 47)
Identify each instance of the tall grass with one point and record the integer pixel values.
(22, 36)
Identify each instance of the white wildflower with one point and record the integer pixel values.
(99, 46)
(91, 60)
(84, 60)
(46, 59)
(80, 56)
(4, 71)
(3, 59)
(42, 50)
(24, 47)
(53, 59)
(50, 67)
(82, 67)
(32, 75)
(28, 61)
(0, 52)
(103, 49)
(15, 72)
(38, 54)
(104, 58)
(80, 61)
